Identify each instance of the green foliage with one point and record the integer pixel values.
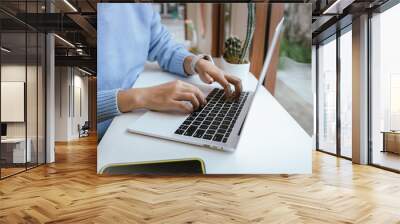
(295, 51)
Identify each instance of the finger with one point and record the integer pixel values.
(193, 89)
(236, 82)
(186, 96)
(182, 106)
(206, 78)
(220, 78)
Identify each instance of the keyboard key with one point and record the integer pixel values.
(225, 122)
(218, 137)
(199, 133)
(216, 123)
(186, 122)
(210, 132)
(200, 119)
(183, 127)
(218, 118)
(213, 127)
(206, 122)
(179, 131)
(221, 130)
(224, 126)
(190, 130)
(225, 139)
(208, 137)
(203, 126)
(228, 118)
(196, 122)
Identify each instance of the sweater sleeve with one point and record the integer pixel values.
(107, 106)
(169, 54)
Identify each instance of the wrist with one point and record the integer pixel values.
(130, 99)
(187, 63)
(200, 64)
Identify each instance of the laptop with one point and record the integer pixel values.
(217, 125)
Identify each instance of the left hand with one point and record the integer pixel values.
(209, 73)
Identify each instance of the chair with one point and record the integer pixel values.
(84, 130)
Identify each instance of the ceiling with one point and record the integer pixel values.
(75, 22)
(332, 15)
(72, 20)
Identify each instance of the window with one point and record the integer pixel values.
(22, 65)
(385, 89)
(346, 94)
(327, 97)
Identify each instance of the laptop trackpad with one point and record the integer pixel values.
(157, 124)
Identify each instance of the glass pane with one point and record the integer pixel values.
(386, 89)
(32, 88)
(41, 98)
(327, 96)
(346, 94)
(13, 87)
(31, 98)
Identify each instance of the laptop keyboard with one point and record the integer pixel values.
(215, 120)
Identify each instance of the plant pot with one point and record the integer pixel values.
(239, 70)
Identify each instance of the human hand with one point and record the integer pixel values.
(171, 96)
(209, 73)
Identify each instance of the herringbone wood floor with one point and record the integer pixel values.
(69, 191)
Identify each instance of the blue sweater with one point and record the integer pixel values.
(128, 36)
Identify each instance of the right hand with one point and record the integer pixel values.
(172, 96)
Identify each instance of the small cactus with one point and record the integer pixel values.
(233, 49)
(235, 52)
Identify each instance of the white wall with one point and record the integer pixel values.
(12, 73)
(194, 13)
(239, 20)
(70, 83)
(238, 23)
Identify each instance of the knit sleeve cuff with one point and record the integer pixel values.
(107, 106)
(176, 64)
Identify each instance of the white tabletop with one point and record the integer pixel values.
(13, 140)
(271, 143)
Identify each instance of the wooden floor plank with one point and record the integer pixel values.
(70, 191)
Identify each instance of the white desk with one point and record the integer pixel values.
(19, 155)
(271, 143)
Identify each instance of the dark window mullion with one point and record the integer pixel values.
(26, 87)
(338, 90)
(37, 90)
(317, 97)
(0, 96)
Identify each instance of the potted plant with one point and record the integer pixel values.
(235, 58)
